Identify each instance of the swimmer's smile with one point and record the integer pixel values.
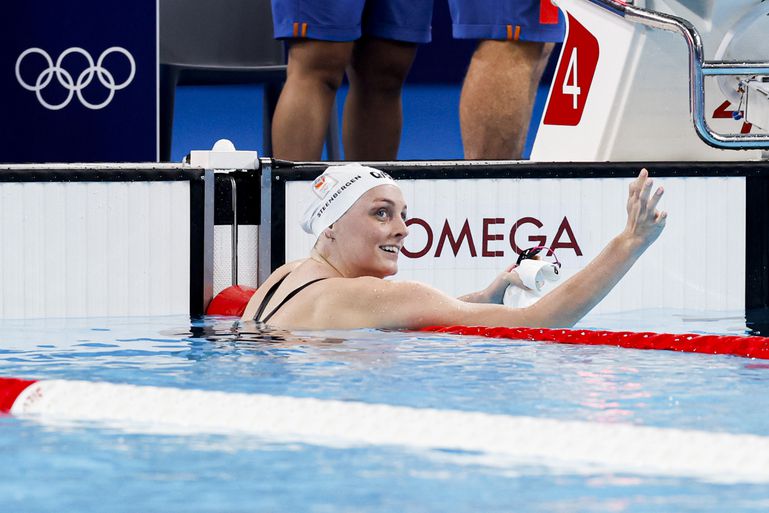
(390, 249)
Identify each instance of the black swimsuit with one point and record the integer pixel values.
(271, 293)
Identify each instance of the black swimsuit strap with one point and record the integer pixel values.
(289, 296)
(269, 295)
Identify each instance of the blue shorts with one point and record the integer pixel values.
(346, 20)
(507, 19)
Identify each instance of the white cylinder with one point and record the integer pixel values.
(534, 273)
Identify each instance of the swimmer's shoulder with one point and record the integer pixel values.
(277, 274)
(367, 291)
(369, 302)
(287, 268)
(373, 284)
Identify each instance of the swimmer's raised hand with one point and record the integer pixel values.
(644, 221)
(568, 303)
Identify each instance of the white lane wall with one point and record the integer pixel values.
(94, 249)
(248, 238)
(698, 262)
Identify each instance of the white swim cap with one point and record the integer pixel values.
(336, 190)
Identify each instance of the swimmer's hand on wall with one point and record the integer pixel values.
(644, 221)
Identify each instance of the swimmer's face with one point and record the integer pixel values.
(369, 237)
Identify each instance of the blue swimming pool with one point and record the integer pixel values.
(90, 467)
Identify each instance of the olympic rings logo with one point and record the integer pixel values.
(68, 82)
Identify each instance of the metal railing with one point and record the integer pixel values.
(698, 69)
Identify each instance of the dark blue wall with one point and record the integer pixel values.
(124, 128)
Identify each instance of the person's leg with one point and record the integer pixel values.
(498, 96)
(504, 73)
(315, 72)
(373, 115)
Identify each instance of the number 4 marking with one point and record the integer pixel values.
(569, 93)
(571, 73)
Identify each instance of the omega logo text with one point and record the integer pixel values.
(491, 238)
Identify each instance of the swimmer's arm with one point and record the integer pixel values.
(412, 305)
(568, 303)
(375, 303)
(415, 305)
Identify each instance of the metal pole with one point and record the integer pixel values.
(264, 259)
(234, 237)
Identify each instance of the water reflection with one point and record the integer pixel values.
(249, 334)
(257, 349)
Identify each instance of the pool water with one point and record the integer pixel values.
(88, 467)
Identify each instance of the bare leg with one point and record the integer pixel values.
(315, 72)
(373, 115)
(498, 95)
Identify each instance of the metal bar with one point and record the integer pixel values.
(201, 242)
(208, 238)
(697, 67)
(234, 234)
(757, 251)
(264, 257)
(475, 169)
(735, 68)
(105, 166)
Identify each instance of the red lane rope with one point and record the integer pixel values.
(233, 300)
(10, 389)
(747, 346)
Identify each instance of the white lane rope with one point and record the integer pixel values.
(589, 446)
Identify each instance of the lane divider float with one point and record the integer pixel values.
(566, 446)
(232, 301)
(747, 346)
